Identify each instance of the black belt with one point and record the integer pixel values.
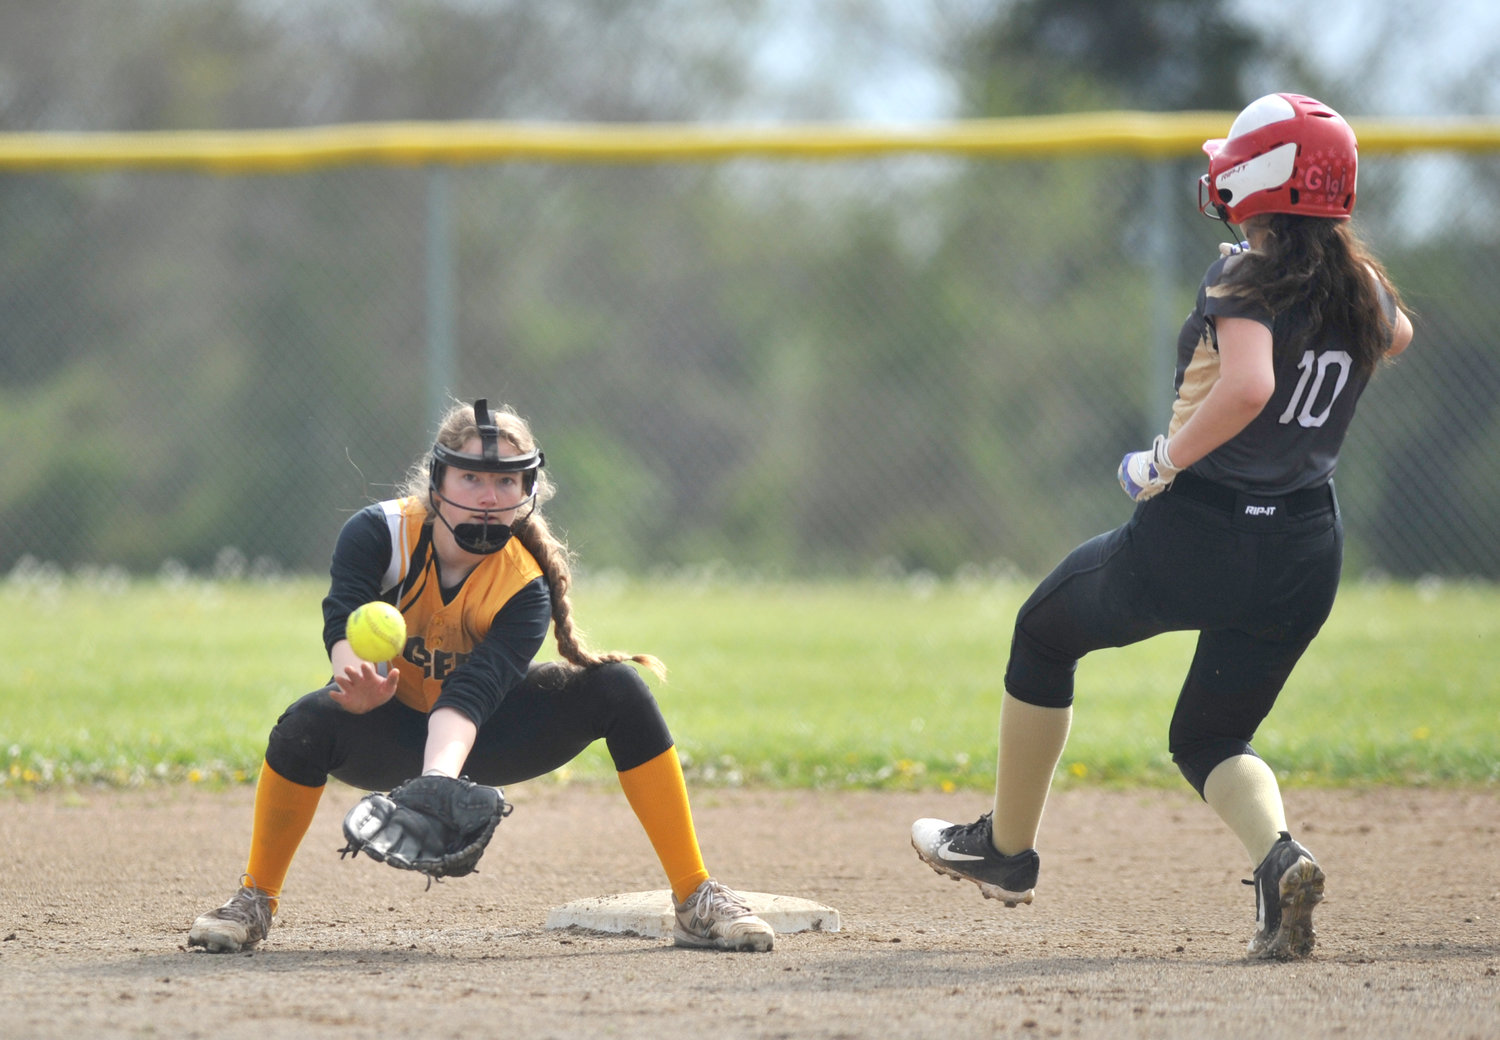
(1302, 502)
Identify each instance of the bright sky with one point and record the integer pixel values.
(1425, 57)
(1440, 57)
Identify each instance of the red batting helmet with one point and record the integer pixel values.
(1285, 153)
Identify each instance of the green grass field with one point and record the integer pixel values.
(878, 684)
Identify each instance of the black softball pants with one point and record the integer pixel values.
(545, 722)
(1255, 577)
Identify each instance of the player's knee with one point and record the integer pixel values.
(628, 715)
(1038, 675)
(1195, 758)
(621, 687)
(300, 745)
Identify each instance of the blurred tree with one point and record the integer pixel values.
(238, 64)
(145, 267)
(1039, 56)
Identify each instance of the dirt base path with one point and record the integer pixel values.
(1138, 929)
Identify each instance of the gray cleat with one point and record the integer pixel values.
(237, 925)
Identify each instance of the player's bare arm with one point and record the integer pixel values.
(450, 738)
(1401, 338)
(1246, 382)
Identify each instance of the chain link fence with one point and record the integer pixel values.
(788, 366)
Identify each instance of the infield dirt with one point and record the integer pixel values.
(1138, 929)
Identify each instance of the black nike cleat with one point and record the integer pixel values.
(965, 852)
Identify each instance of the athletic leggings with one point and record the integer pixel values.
(1256, 577)
(545, 722)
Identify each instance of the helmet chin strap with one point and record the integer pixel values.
(1236, 238)
(481, 539)
(1220, 213)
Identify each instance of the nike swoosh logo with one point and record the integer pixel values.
(947, 853)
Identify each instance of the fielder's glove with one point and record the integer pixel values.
(435, 825)
(1144, 474)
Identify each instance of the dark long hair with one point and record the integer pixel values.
(1320, 266)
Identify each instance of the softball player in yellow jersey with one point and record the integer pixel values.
(467, 557)
(1237, 533)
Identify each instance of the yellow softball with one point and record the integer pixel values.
(376, 632)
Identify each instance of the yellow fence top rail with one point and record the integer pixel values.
(1147, 134)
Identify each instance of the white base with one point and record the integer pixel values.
(650, 914)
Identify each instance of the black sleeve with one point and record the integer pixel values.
(498, 664)
(360, 558)
(1221, 298)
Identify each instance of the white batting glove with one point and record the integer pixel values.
(1145, 474)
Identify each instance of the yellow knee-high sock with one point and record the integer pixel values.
(658, 794)
(1031, 743)
(1244, 792)
(283, 813)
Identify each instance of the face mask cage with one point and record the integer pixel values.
(485, 537)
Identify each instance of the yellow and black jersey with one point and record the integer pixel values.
(467, 646)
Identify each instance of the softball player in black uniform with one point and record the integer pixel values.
(1237, 532)
(467, 557)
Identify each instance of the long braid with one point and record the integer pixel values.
(555, 560)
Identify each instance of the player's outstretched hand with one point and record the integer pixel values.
(1145, 474)
(363, 687)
